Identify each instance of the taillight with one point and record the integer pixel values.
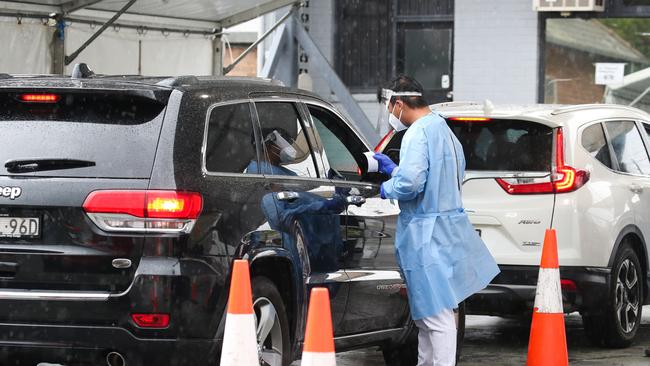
(384, 141)
(470, 119)
(526, 185)
(566, 178)
(568, 285)
(144, 211)
(151, 320)
(563, 179)
(39, 98)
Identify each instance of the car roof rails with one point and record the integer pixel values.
(82, 71)
(179, 80)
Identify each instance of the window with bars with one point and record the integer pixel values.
(366, 32)
(363, 41)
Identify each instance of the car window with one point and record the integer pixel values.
(628, 147)
(504, 145)
(594, 141)
(230, 146)
(337, 145)
(284, 142)
(646, 127)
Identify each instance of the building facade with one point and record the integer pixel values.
(465, 50)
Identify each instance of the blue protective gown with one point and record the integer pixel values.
(441, 256)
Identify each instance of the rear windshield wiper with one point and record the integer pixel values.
(38, 165)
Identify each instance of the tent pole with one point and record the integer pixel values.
(69, 59)
(635, 101)
(229, 68)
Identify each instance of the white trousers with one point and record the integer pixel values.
(437, 339)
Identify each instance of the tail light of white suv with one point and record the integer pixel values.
(563, 178)
(143, 211)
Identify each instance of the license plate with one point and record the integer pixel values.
(20, 227)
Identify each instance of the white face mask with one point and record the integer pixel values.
(396, 122)
(287, 152)
(288, 155)
(385, 116)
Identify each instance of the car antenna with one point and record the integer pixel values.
(82, 71)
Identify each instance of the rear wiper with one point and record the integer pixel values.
(38, 165)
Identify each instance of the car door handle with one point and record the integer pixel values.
(636, 188)
(355, 200)
(287, 196)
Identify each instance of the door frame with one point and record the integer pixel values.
(437, 20)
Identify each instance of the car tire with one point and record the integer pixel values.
(615, 326)
(269, 307)
(407, 354)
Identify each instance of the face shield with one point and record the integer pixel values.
(385, 116)
(287, 152)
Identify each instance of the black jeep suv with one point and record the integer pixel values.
(124, 201)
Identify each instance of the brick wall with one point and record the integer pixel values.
(247, 66)
(496, 51)
(564, 63)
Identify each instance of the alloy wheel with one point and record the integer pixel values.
(269, 332)
(628, 296)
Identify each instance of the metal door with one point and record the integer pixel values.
(377, 297)
(294, 203)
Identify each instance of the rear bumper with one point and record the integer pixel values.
(73, 328)
(512, 292)
(22, 344)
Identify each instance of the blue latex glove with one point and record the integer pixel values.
(386, 165)
(382, 194)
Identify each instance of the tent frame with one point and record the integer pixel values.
(77, 10)
(289, 35)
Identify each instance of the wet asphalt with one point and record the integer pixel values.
(499, 341)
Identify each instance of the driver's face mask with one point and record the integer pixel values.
(287, 152)
(385, 115)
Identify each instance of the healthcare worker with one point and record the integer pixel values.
(440, 254)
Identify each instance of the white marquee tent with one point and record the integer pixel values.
(150, 37)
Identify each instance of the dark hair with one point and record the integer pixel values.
(404, 83)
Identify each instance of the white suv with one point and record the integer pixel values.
(583, 170)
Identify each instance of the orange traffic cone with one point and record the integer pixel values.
(319, 336)
(239, 339)
(547, 344)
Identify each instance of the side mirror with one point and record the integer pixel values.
(370, 177)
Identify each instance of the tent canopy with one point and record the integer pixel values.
(181, 14)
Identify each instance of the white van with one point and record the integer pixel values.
(583, 170)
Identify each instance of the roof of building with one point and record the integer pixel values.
(593, 37)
